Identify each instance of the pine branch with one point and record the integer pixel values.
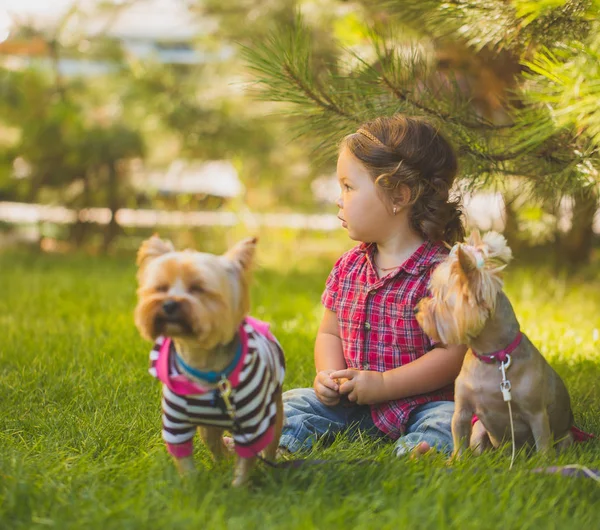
(325, 102)
(497, 24)
(404, 96)
(566, 84)
(480, 24)
(329, 105)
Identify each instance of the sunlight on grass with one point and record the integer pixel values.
(80, 425)
(558, 315)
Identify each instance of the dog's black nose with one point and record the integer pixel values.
(170, 307)
(416, 310)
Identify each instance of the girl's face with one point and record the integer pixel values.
(362, 210)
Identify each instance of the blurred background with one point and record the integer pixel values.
(206, 120)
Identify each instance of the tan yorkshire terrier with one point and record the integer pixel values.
(220, 369)
(504, 379)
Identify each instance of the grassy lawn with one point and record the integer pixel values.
(80, 442)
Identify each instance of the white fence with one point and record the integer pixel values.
(22, 213)
(483, 210)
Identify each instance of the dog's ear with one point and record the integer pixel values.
(426, 318)
(242, 253)
(466, 260)
(152, 248)
(475, 238)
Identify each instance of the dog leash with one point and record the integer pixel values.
(224, 388)
(504, 358)
(571, 469)
(505, 388)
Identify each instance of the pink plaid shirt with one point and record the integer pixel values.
(378, 327)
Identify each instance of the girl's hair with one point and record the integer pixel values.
(410, 151)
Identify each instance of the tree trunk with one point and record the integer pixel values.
(576, 244)
(113, 227)
(80, 229)
(511, 223)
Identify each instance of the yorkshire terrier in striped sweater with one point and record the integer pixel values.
(220, 369)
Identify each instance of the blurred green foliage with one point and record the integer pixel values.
(73, 139)
(513, 83)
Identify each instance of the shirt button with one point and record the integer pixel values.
(365, 365)
(367, 326)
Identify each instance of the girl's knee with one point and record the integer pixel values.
(446, 409)
(300, 401)
(298, 394)
(432, 423)
(299, 398)
(432, 415)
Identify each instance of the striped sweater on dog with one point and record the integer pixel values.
(255, 380)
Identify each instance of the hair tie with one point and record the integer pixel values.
(371, 137)
(480, 253)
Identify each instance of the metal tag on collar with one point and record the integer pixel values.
(505, 365)
(224, 387)
(505, 385)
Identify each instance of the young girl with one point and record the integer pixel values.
(376, 369)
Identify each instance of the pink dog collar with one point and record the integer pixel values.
(500, 355)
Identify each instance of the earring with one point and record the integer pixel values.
(395, 210)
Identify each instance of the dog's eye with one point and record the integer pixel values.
(196, 289)
(163, 288)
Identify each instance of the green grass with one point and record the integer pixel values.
(80, 442)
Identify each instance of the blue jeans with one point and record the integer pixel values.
(308, 420)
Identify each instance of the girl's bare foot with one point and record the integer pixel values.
(229, 443)
(421, 449)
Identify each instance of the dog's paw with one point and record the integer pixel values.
(185, 466)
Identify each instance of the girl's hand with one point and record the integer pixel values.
(363, 387)
(326, 389)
